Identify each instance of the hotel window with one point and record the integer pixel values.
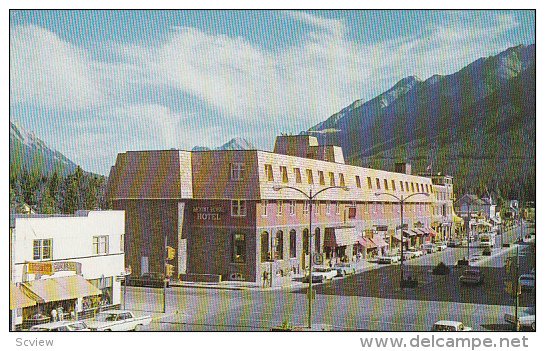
(328, 208)
(237, 171)
(100, 245)
(239, 248)
(306, 207)
(284, 173)
(358, 182)
(310, 178)
(331, 179)
(369, 183)
(238, 208)
(269, 173)
(317, 240)
(412, 187)
(407, 186)
(337, 208)
(292, 208)
(321, 176)
(385, 184)
(401, 185)
(293, 244)
(265, 247)
(393, 185)
(352, 212)
(297, 172)
(42, 249)
(279, 206)
(341, 179)
(427, 189)
(378, 183)
(264, 205)
(305, 241)
(279, 245)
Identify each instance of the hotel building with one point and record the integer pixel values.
(221, 213)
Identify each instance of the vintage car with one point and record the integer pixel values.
(118, 320)
(526, 318)
(61, 326)
(450, 326)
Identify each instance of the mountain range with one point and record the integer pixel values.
(478, 125)
(233, 144)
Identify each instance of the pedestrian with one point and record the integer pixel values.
(60, 312)
(72, 315)
(53, 315)
(265, 278)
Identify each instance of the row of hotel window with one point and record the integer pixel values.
(237, 174)
(43, 248)
(238, 208)
(276, 245)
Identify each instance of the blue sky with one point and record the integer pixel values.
(95, 83)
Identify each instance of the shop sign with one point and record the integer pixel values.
(67, 266)
(208, 213)
(44, 268)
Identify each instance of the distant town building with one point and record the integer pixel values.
(222, 214)
(66, 261)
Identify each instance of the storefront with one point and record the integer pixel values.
(338, 243)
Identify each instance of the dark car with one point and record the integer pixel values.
(153, 280)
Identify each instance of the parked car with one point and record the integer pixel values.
(321, 274)
(152, 279)
(429, 248)
(450, 326)
(453, 243)
(472, 276)
(118, 320)
(61, 326)
(415, 252)
(313, 327)
(441, 246)
(344, 269)
(527, 281)
(389, 259)
(526, 318)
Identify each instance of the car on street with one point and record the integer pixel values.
(61, 326)
(344, 269)
(151, 279)
(118, 320)
(453, 243)
(388, 259)
(445, 325)
(441, 246)
(526, 318)
(321, 274)
(429, 248)
(463, 242)
(471, 276)
(415, 252)
(527, 281)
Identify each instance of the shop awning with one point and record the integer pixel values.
(409, 233)
(379, 242)
(398, 238)
(366, 242)
(420, 231)
(340, 236)
(18, 299)
(62, 288)
(432, 232)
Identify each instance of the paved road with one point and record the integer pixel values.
(367, 301)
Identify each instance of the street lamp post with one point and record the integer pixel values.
(310, 197)
(401, 201)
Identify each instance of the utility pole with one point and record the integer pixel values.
(517, 289)
(165, 278)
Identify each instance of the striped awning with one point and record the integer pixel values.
(407, 232)
(59, 289)
(379, 242)
(366, 242)
(18, 298)
(340, 236)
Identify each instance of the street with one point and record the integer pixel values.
(371, 300)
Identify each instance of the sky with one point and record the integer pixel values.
(92, 84)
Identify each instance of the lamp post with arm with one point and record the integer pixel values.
(401, 201)
(310, 197)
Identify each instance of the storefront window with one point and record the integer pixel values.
(265, 256)
(279, 245)
(305, 241)
(239, 248)
(293, 243)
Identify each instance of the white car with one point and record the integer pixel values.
(61, 326)
(526, 318)
(450, 326)
(326, 272)
(389, 259)
(415, 252)
(118, 320)
(441, 246)
(429, 248)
